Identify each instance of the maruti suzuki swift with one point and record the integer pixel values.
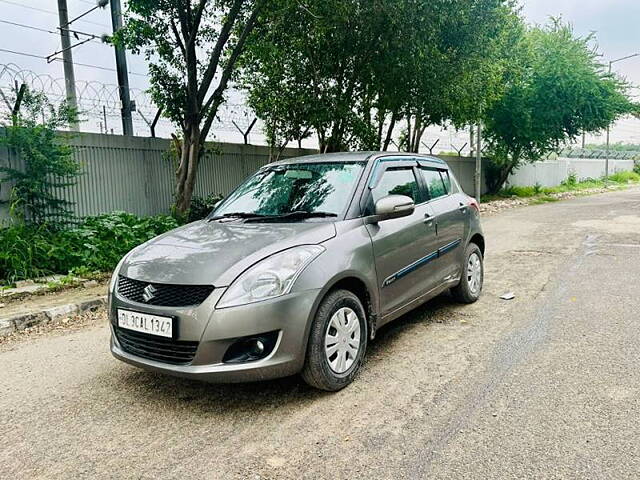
(296, 270)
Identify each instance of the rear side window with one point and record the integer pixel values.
(396, 181)
(435, 182)
(446, 180)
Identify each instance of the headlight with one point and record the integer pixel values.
(272, 277)
(116, 271)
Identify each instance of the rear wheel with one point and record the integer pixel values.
(337, 342)
(472, 278)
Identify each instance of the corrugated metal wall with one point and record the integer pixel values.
(136, 174)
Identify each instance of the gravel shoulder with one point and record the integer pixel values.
(544, 385)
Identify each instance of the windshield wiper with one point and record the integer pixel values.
(237, 215)
(296, 215)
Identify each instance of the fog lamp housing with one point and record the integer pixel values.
(251, 348)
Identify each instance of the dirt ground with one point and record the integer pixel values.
(541, 386)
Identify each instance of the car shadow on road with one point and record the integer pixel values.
(272, 394)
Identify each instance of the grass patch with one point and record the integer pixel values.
(543, 199)
(542, 194)
(625, 177)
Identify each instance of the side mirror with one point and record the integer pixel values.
(392, 206)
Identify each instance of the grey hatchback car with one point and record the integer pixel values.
(296, 269)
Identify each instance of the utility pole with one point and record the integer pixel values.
(67, 59)
(478, 174)
(121, 68)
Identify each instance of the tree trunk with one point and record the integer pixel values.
(389, 137)
(187, 170)
(496, 180)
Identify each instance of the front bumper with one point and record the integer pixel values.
(217, 329)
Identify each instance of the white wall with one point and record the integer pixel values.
(551, 172)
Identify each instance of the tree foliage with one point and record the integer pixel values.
(192, 47)
(40, 159)
(353, 70)
(555, 89)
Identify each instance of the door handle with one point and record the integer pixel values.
(428, 219)
(462, 207)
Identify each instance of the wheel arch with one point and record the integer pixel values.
(478, 239)
(360, 288)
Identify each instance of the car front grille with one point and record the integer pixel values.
(163, 294)
(156, 348)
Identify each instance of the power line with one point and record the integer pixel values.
(57, 33)
(75, 63)
(50, 12)
(103, 68)
(28, 26)
(21, 53)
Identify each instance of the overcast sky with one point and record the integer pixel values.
(615, 22)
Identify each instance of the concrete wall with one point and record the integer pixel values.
(551, 172)
(135, 174)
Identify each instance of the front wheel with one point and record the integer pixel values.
(470, 286)
(337, 342)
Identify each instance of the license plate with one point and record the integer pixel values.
(146, 323)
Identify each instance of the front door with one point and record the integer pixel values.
(450, 215)
(404, 246)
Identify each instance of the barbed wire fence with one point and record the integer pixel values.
(100, 106)
(100, 111)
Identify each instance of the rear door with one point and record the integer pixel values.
(402, 246)
(450, 217)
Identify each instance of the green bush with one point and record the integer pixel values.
(625, 177)
(202, 206)
(571, 181)
(636, 167)
(95, 244)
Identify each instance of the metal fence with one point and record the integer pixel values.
(136, 174)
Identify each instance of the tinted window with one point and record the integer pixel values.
(309, 187)
(455, 186)
(434, 182)
(446, 180)
(396, 181)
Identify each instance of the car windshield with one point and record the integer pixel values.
(318, 189)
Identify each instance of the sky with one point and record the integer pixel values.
(615, 23)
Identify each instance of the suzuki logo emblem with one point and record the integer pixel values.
(149, 293)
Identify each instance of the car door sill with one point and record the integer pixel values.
(411, 304)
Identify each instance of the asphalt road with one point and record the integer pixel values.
(543, 386)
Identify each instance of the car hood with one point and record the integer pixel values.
(215, 253)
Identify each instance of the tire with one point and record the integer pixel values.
(465, 292)
(326, 371)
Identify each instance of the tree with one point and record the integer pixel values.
(556, 88)
(45, 156)
(192, 47)
(310, 66)
(353, 70)
(456, 58)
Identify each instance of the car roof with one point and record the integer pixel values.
(355, 157)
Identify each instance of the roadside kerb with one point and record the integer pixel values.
(17, 323)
